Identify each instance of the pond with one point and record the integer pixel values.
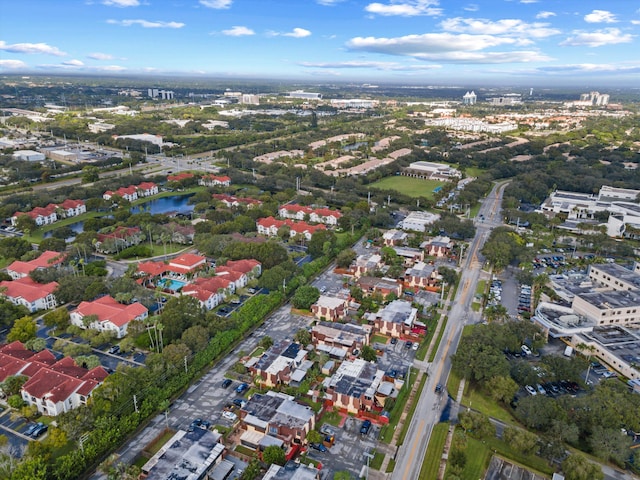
(77, 227)
(172, 204)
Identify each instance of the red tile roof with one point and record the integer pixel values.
(180, 176)
(108, 309)
(27, 289)
(153, 268)
(188, 261)
(228, 274)
(68, 203)
(46, 259)
(244, 266)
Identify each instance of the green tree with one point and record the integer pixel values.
(314, 437)
(30, 468)
(90, 174)
(9, 312)
(477, 424)
(13, 384)
(577, 467)
(305, 296)
(345, 258)
(266, 342)
(26, 224)
(502, 389)
(14, 247)
(36, 344)
(368, 353)
(520, 440)
(23, 329)
(610, 444)
(196, 338)
(303, 337)
(273, 454)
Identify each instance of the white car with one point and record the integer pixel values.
(526, 350)
(415, 346)
(230, 415)
(530, 390)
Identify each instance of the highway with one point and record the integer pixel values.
(411, 453)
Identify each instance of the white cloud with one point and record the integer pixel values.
(238, 31)
(635, 22)
(528, 1)
(472, 7)
(328, 3)
(386, 66)
(508, 27)
(40, 48)
(110, 68)
(121, 3)
(447, 48)
(73, 63)
(405, 8)
(599, 38)
(146, 23)
(217, 4)
(100, 56)
(12, 64)
(545, 14)
(600, 16)
(297, 33)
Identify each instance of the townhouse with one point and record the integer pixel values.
(47, 259)
(53, 212)
(396, 319)
(275, 365)
(358, 386)
(215, 181)
(107, 315)
(330, 308)
(34, 296)
(269, 226)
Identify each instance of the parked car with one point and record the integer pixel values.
(526, 350)
(439, 388)
(319, 446)
(115, 349)
(39, 431)
(230, 415)
(415, 346)
(31, 428)
(238, 402)
(366, 425)
(530, 390)
(408, 344)
(394, 340)
(226, 382)
(243, 387)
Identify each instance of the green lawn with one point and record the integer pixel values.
(478, 456)
(413, 187)
(453, 383)
(376, 462)
(386, 432)
(473, 171)
(431, 463)
(412, 410)
(477, 400)
(379, 339)
(332, 418)
(426, 341)
(437, 344)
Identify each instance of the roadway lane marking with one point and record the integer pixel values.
(413, 449)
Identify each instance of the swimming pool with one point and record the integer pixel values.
(171, 284)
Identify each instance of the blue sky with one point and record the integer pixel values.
(537, 42)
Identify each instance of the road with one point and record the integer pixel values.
(411, 454)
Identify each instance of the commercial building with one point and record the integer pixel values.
(419, 221)
(28, 156)
(469, 98)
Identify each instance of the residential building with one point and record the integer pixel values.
(393, 238)
(396, 319)
(47, 259)
(239, 279)
(277, 416)
(357, 386)
(188, 263)
(191, 455)
(410, 255)
(439, 247)
(292, 471)
(384, 286)
(233, 201)
(345, 336)
(330, 308)
(53, 386)
(318, 215)
(73, 208)
(107, 315)
(367, 265)
(422, 275)
(273, 156)
(160, 93)
(250, 267)
(178, 177)
(129, 193)
(118, 239)
(210, 291)
(275, 365)
(147, 189)
(211, 180)
(357, 103)
(34, 296)
(269, 226)
(40, 215)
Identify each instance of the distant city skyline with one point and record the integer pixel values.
(515, 42)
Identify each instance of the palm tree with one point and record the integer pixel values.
(583, 347)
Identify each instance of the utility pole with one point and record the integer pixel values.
(185, 364)
(135, 403)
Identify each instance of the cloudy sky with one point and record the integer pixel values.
(553, 42)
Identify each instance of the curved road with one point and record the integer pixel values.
(411, 454)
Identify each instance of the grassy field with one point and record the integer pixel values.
(413, 187)
(431, 463)
(479, 401)
(434, 350)
(478, 455)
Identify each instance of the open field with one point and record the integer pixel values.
(413, 187)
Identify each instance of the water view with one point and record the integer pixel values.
(172, 204)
